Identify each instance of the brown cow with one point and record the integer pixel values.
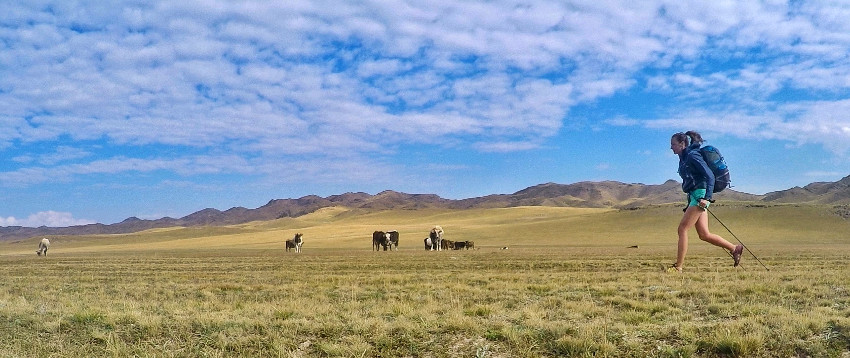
(447, 244)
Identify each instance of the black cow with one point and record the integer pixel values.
(464, 245)
(380, 238)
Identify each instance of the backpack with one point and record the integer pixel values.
(715, 162)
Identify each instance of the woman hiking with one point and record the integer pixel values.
(698, 183)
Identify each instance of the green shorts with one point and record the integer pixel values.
(694, 196)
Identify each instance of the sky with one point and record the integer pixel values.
(148, 108)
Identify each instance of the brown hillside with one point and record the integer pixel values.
(606, 194)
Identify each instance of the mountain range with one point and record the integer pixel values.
(605, 194)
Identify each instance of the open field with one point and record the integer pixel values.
(567, 286)
(339, 228)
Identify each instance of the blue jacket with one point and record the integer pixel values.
(695, 172)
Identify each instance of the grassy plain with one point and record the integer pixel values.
(567, 286)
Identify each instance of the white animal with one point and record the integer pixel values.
(392, 240)
(43, 246)
(436, 237)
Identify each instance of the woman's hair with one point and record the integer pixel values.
(689, 137)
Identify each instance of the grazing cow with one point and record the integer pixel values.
(436, 237)
(447, 244)
(428, 244)
(392, 240)
(295, 243)
(460, 245)
(43, 246)
(380, 238)
(470, 245)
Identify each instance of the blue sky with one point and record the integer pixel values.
(162, 108)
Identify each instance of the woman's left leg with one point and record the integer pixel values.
(707, 236)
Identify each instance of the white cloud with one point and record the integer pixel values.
(62, 154)
(175, 72)
(45, 218)
(186, 166)
(505, 146)
(263, 80)
(820, 122)
(824, 174)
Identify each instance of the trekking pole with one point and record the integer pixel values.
(736, 238)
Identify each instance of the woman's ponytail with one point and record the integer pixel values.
(695, 137)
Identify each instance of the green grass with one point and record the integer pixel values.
(568, 287)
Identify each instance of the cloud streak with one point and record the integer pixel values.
(45, 218)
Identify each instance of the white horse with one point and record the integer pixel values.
(436, 237)
(43, 246)
(295, 243)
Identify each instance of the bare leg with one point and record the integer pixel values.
(692, 215)
(707, 236)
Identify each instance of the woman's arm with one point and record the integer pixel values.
(702, 169)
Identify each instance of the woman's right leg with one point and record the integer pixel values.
(692, 214)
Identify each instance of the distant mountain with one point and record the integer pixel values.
(837, 193)
(606, 194)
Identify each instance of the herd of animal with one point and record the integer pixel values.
(388, 240)
(434, 242)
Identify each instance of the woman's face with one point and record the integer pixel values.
(677, 146)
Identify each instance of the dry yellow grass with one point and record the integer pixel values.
(345, 229)
(523, 302)
(568, 286)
